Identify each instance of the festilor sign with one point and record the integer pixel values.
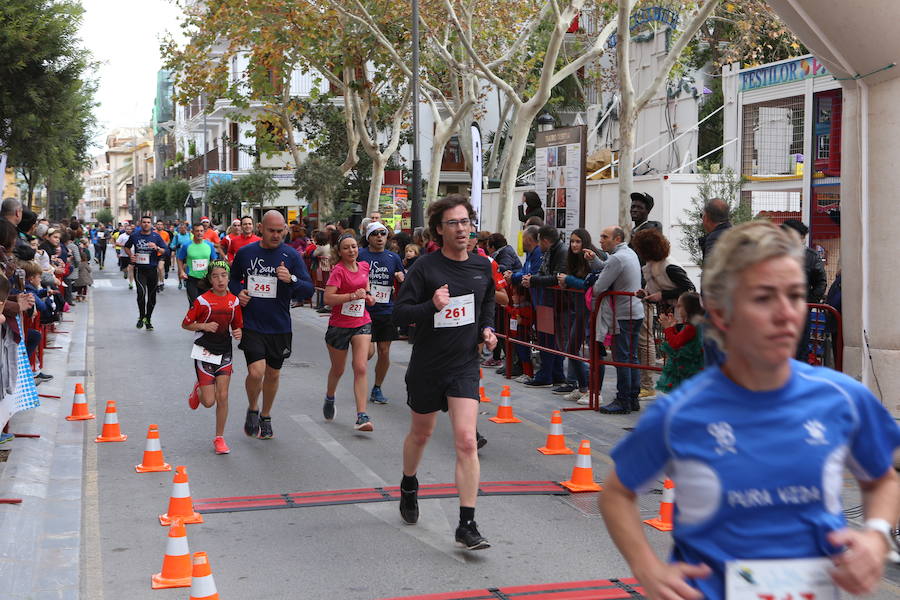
(783, 72)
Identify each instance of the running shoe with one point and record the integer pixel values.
(265, 428)
(363, 423)
(251, 423)
(564, 389)
(148, 324)
(377, 396)
(6, 437)
(130, 286)
(533, 383)
(409, 506)
(468, 537)
(220, 446)
(44, 376)
(140, 323)
(328, 409)
(615, 408)
(585, 400)
(522, 379)
(194, 398)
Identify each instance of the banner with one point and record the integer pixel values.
(559, 161)
(477, 178)
(25, 395)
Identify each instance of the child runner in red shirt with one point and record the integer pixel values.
(347, 293)
(215, 317)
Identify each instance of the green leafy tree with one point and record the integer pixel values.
(713, 184)
(104, 215)
(177, 191)
(324, 186)
(258, 187)
(224, 197)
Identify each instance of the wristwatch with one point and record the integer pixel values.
(882, 527)
(293, 279)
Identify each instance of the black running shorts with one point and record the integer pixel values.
(426, 396)
(274, 348)
(339, 337)
(383, 328)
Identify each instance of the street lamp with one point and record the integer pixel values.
(545, 122)
(416, 217)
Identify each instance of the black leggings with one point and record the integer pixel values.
(146, 279)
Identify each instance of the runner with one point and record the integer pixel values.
(211, 234)
(759, 449)
(181, 237)
(246, 237)
(124, 259)
(164, 265)
(233, 231)
(215, 317)
(347, 292)
(386, 267)
(143, 250)
(193, 261)
(449, 296)
(100, 236)
(265, 275)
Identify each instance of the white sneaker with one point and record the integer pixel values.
(585, 400)
(573, 396)
(522, 379)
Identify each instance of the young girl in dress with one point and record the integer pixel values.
(683, 347)
(347, 293)
(215, 317)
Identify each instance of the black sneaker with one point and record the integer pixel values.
(148, 325)
(251, 423)
(140, 323)
(537, 384)
(562, 390)
(409, 506)
(328, 410)
(480, 440)
(468, 537)
(44, 377)
(635, 405)
(501, 370)
(265, 428)
(615, 408)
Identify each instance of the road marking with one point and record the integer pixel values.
(92, 582)
(434, 531)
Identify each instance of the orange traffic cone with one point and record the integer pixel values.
(666, 508)
(203, 586)
(505, 411)
(556, 441)
(176, 567)
(79, 406)
(110, 432)
(153, 456)
(482, 396)
(583, 474)
(181, 506)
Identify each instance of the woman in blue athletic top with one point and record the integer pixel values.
(757, 450)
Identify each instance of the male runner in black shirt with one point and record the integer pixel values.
(449, 297)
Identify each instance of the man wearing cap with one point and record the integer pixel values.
(385, 268)
(641, 205)
(245, 237)
(211, 234)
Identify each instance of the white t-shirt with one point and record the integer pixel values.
(120, 241)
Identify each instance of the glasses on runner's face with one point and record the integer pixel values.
(380, 233)
(457, 223)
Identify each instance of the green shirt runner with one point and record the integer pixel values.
(197, 257)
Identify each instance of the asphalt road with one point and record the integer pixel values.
(361, 551)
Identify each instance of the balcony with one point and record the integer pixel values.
(195, 165)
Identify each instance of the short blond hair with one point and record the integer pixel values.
(738, 249)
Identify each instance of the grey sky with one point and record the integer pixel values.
(124, 36)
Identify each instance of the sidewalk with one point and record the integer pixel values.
(40, 539)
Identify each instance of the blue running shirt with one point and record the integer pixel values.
(757, 474)
(384, 265)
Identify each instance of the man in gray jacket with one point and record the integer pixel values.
(621, 316)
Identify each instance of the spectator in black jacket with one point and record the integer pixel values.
(816, 282)
(553, 262)
(641, 205)
(503, 253)
(716, 213)
(530, 207)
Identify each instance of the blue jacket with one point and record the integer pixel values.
(531, 266)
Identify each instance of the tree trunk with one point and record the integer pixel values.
(506, 214)
(626, 172)
(378, 164)
(627, 114)
(442, 135)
